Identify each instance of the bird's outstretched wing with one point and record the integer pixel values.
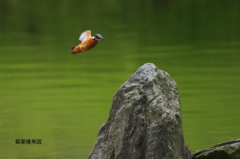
(85, 35)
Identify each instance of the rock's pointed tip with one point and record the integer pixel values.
(149, 65)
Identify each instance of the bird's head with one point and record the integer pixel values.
(98, 37)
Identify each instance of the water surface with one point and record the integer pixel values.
(47, 93)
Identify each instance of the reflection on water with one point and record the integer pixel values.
(63, 99)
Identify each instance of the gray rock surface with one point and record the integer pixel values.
(145, 120)
(225, 150)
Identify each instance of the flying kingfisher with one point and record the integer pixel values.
(88, 42)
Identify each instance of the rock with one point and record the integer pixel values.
(145, 120)
(225, 150)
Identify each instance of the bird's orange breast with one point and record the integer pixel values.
(85, 46)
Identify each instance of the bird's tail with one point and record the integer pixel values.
(72, 48)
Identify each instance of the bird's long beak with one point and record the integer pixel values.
(100, 36)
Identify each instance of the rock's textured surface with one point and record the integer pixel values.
(145, 120)
(225, 150)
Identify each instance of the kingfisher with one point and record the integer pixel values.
(87, 42)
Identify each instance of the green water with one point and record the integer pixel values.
(47, 93)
